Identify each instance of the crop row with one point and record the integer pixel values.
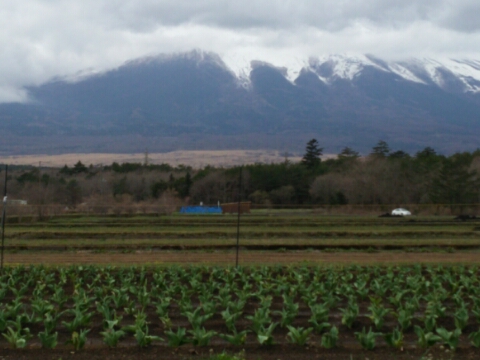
(404, 306)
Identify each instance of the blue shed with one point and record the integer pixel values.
(201, 210)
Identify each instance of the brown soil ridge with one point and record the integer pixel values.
(245, 258)
(251, 247)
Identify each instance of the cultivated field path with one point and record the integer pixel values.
(245, 258)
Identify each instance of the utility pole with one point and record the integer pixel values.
(238, 214)
(4, 217)
(145, 162)
(285, 157)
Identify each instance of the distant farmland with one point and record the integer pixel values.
(283, 239)
(196, 159)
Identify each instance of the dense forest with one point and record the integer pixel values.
(382, 177)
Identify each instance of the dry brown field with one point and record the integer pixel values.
(165, 258)
(196, 159)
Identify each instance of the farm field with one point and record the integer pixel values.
(261, 312)
(414, 280)
(278, 238)
(245, 258)
(191, 158)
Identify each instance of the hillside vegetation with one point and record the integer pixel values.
(384, 177)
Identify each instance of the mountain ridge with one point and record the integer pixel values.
(197, 96)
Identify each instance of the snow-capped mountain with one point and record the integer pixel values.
(448, 74)
(201, 100)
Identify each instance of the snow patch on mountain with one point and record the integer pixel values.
(448, 74)
(440, 72)
(332, 67)
(241, 65)
(468, 71)
(294, 67)
(432, 69)
(445, 73)
(405, 73)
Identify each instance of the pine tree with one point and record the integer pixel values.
(455, 183)
(79, 168)
(381, 149)
(311, 159)
(348, 153)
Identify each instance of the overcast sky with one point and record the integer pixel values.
(40, 39)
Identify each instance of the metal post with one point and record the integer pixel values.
(238, 214)
(3, 216)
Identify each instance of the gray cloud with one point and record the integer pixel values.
(40, 39)
(461, 18)
(333, 15)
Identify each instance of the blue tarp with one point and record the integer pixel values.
(200, 210)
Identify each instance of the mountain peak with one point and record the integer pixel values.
(460, 76)
(194, 99)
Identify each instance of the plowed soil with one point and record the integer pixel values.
(245, 258)
(274, 352)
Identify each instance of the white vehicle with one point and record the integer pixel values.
(401, 212)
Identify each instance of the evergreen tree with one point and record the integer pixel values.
(65, 170)
(312, 159)
(381, 149)
(158, 188)
(79, 168)
(455, 183)
(182, 185)
(73, 193)
(399, 154)
(428, 152)
(348, 153)
(188, 183)
(344, 161)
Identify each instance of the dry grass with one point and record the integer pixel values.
(246, 258)
(196, 159)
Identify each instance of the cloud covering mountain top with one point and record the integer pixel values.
(40, 39)
(194, 100)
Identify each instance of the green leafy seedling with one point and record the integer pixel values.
(367, 339)
(265, 335)
(450, 338)
(461, 318)
(15, 338)
(201, 337)
(176, 339)
(475, 338)
(329, 339)
(112, 336)
(395, 338)
(350, 314)
(237, 338)
(425, 338)
(79, 339)
(299, 335)
(143, 338)
(48, 341)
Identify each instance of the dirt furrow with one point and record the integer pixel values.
(245, 258)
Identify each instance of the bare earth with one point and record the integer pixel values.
(245, 258)
(197, 159)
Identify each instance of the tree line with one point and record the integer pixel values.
(382, 177)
